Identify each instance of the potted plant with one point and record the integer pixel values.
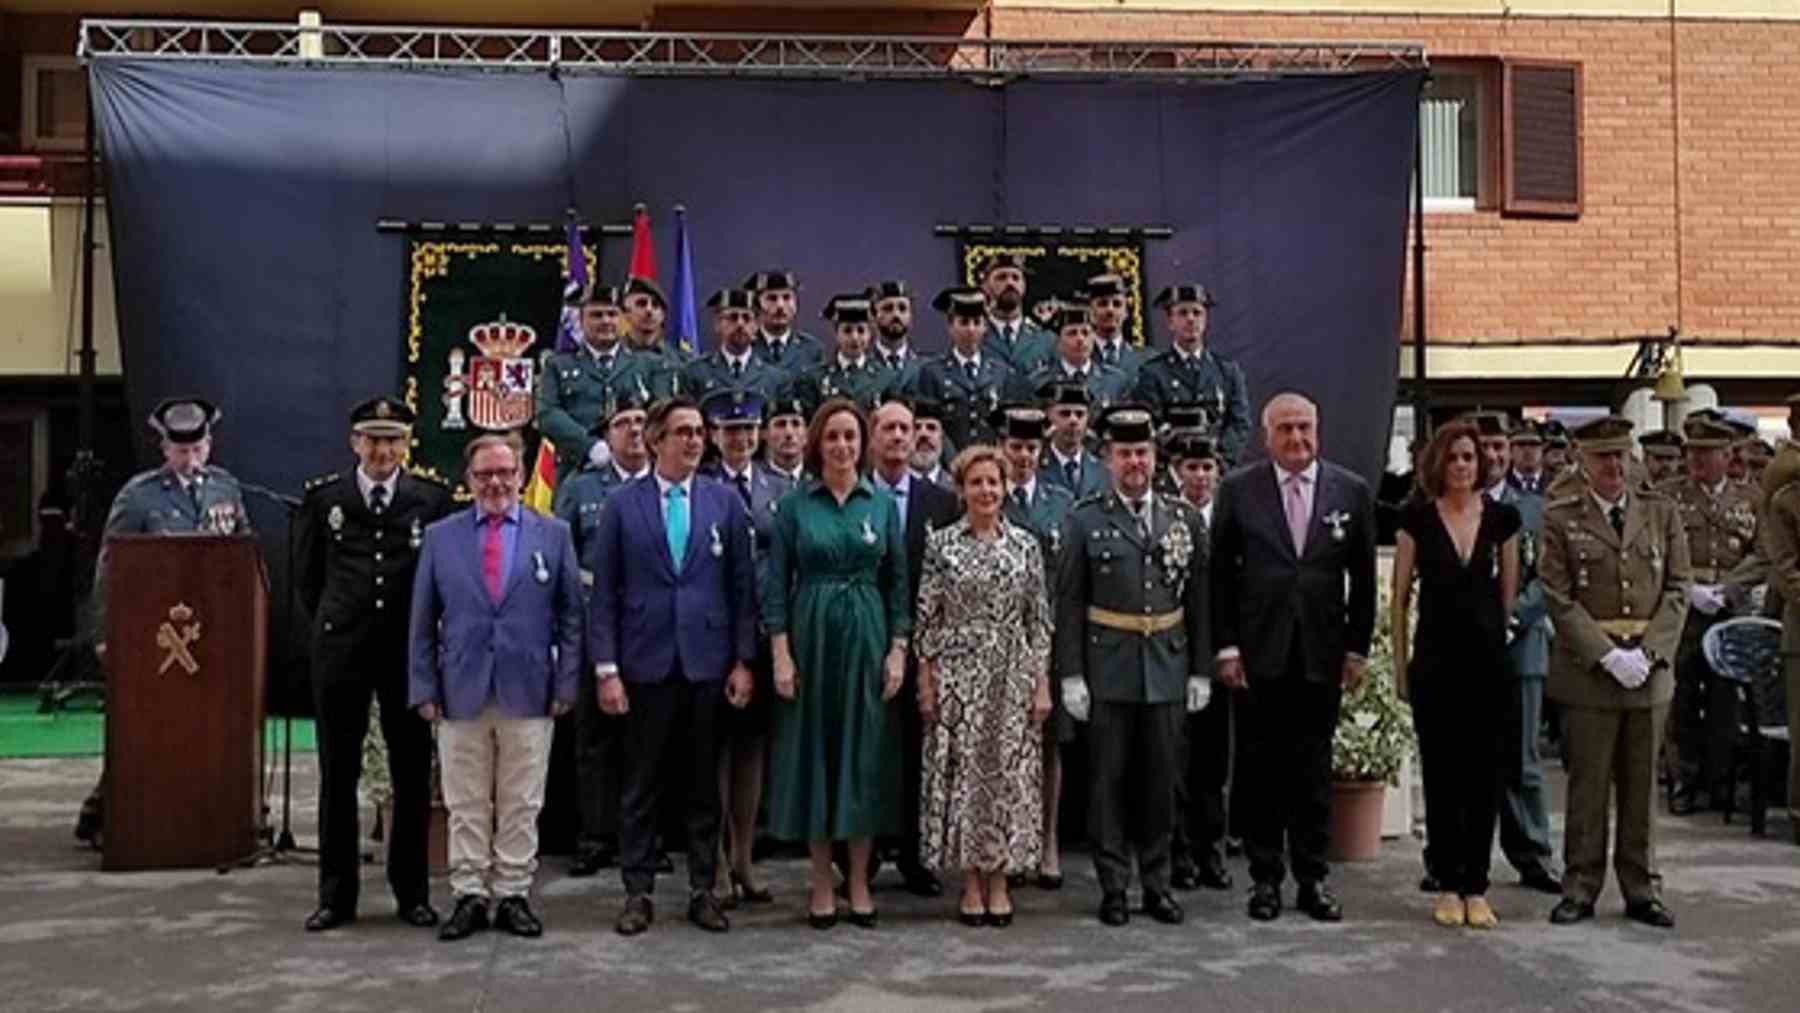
(1373, 741)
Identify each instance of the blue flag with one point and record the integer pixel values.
(568, 334)
(684, 329)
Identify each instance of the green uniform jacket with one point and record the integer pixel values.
(1105, 563)
(1091, 476)
(1105, 385)
(802, 353)
(966, 401)
(1592, 575)
(574, 388)
(711, 372)
(154, 503)
(862, 384)
(1127, 358)
(1043, 516)
(1169, 377)
(1033, 347)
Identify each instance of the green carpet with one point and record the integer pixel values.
(82, 731)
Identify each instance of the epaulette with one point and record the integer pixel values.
(314, 483)
(1053, 491)
(1574, 500)
(427, 479)
(1091, 499)
(1655, 493)
(1176, 503)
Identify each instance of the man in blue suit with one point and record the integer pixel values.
(671, 618)
(495, 655)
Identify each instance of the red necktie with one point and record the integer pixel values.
(491, 547)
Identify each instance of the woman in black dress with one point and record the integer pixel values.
(1463, 547)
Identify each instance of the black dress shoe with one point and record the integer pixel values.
(636, 917)
(1650, 912)
(921, 883)
(1429, 883)
(1162, 907)
(1213, 874)
(470, 917)
(1568, 911)
(703, 910)
(1684, 800)
(1185, 877)
(1265, 902)
(590, 860)
(1054, 880)
(822, 921)
(1115, 910)
(1540, 879)
(419, 913)
(515, 916)
(864, 919)
(327, 918)
(1316, 900)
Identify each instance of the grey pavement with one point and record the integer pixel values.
(74, 938)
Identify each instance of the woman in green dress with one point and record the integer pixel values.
(836, 608)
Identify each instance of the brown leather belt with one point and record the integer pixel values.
(1143, 625)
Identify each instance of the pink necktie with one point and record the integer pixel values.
(490, 557)
(1296, 513)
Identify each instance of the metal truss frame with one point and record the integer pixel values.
(987, 61)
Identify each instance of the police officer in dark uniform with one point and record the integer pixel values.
(778, 342)
(733, 363)
(968, 382)
(1074, 362)
(184, 496)
(575, 386)
(1131, 642)
(359, 534)
(599, 751)
(1190, 371)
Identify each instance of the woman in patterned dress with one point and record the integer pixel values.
(983, 641)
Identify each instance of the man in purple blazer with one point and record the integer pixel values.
(671, 634)
(495, 656)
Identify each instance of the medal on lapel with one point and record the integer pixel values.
(1055, 541)
(541, 569)
(335, 518)
(416, 537)
(1494, 561)
(868, 534)
(1336, 521)
(1581, 570)
(718, 543)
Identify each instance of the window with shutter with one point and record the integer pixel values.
(1541, 133)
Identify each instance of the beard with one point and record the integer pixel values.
(892, 333)
(1008, 300)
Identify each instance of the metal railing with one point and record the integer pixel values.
(725, 54)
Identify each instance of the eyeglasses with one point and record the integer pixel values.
(493, 475)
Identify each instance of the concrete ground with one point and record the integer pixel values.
(73, 938)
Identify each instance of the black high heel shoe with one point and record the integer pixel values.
(973, 919)
(822, 921)
(741, 890)
(864, 919)
(1000, 919)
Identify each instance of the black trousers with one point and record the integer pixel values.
(1287, 726)
(342, 704)
(672, 747)
(1704, 714)
(1132, 751)
(1201, 772)
(599, 765)
(1460, 714)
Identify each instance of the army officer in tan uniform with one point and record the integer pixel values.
(1779, 536)
(1615, 569)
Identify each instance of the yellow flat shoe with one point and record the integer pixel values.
(1479, 915)
(1449, 911)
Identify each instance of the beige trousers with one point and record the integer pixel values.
(494, 768)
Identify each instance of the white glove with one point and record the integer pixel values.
(1075, 698)
(1708, 598)
(1629, 669)
(600, 455)
(1198, 693)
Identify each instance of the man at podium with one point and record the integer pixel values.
(359, 534)
(183, 497)
(496, 655)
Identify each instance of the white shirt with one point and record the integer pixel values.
(778, 342)
(956, 356)
(603, 357)
(1718, 488)
(792, 476)
(730, 476)
(899, 355)
(663, 486)
(628, 476)
(1606, 504)
(1191, 359)
(851, 364)
(736, 362)
(1008, 329)
(1073, 371)
(1206, 514)
(900, 491)
(367, 486)
(1115, 346)
(1029, 489)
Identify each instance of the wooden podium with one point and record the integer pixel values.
(186, 638)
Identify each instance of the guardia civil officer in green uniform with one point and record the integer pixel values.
(599, 750)
(1190, 371)
(785, 418)
(1074, 363)
(1109, 307)
(1719, 517)
(575, 386)
(646, 310)
(1067, 461)
(968, 381)
(1131, 651)
(778, 342)
(893, 347)
(1011, 335)
(184, 496)
(358, 534)
(851, 372)
(1615, 569)
(732, 364)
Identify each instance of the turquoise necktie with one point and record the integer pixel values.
(677, 524)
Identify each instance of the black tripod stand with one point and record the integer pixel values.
(279, 847)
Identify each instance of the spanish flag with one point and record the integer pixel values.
(540, 488)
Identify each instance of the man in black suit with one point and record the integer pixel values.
(1288, 533)
(359, 535)
(924, 507)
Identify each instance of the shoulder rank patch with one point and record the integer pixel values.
(314, 483)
